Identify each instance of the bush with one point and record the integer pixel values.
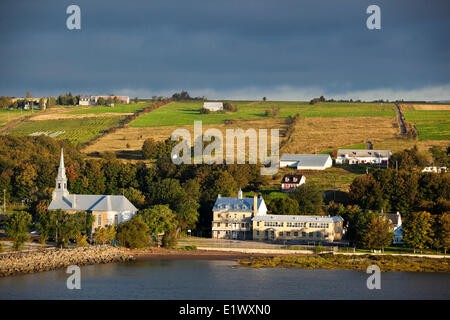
(81, 241)
(133, 233)
(169, 240)
(104, 235)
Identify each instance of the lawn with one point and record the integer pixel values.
(120, 108)
(75, 130)
(186, 112)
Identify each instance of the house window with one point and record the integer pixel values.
(288, 234)
(99, 220)
(295, 234)
(311, 234)
(281, 234)
(257, 233)
(257, 224)
(59, 185)
(304, 234)
(116, 219)
(318, 234)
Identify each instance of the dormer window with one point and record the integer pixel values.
(294, 179)
(287, 179)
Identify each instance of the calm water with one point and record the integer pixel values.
(205, 279)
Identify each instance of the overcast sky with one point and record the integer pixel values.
(235, 49)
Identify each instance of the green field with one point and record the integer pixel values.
(8, 115)
(417, 116)
(186, 112)
(75, 130)
(119, 108)
(430, 124)
(434, 131)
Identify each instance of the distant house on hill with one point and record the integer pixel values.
(306, 161)
(213, 106)
(291, 182)
(92, 100)
(107, 209)
(363, 156)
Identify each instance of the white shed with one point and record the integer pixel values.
(213, 106)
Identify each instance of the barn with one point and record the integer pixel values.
(306, 161)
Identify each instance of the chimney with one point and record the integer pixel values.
(255, 205)
(218, 196)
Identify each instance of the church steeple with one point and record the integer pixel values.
(61, 180)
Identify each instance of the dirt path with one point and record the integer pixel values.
(401, 119)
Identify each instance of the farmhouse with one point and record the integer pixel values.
(306, 161)
(107, 209)
(92, 100)
(364, 156)
(246, 218)
(291, 182)
(213, 106)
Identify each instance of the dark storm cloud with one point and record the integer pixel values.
(151, 47)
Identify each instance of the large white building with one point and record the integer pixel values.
(363, 156)
(247, 218)
(306, 161)
(213, 106)
(107, 209)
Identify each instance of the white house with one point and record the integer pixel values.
(364, 156)
(396, 220)
(306, 161)
(292, 181)
(106, 209)
(435, 169)
(213, 106)
(92, 100)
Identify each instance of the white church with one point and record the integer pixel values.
(106, 209)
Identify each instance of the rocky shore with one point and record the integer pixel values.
(49, 259)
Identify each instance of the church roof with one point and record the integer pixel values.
(83, 202)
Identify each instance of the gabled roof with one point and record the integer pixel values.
(307, 160)
(236, 204)
(291, 178)
(364, 153)
(83, 202)
(287, 218)
(395, 219)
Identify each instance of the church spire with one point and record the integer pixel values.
(61, 180)
(61, 169)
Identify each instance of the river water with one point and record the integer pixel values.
(213, 279)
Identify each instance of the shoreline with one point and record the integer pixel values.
(198, 254)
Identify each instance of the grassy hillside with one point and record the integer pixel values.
(75, 130)
(430, 124)
(119, 108)
(186, 112)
